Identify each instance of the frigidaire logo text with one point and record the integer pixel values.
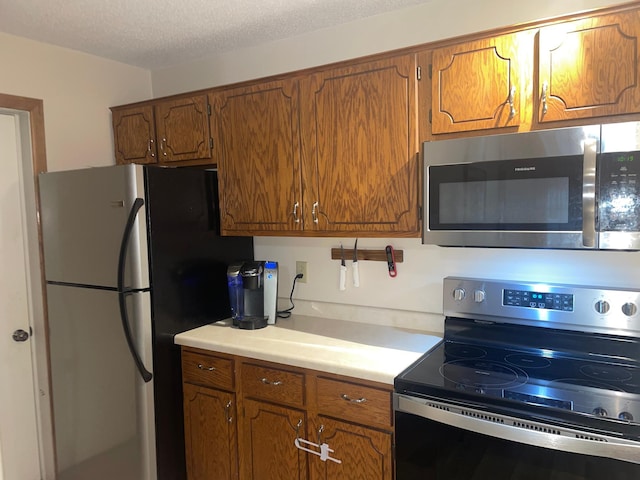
(524, 169)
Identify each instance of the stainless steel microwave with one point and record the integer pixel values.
(573, 188)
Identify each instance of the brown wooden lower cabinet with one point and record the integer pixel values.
(210, 433)
(268, 449)
(255, 439)
(364, 452)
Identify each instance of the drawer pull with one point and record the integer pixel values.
(267, 382)
(208, 369)
(353, 400)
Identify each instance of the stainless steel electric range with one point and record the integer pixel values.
(531, 381)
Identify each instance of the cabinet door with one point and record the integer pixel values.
(360, 148)
(258, 155)
(269, 433)
(589, 68)
(364, 453)
(134, 135)
(479, 85)
(183, 129)
(210, 433)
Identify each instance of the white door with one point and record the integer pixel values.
(19, 456)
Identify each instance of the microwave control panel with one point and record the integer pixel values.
(618, 192)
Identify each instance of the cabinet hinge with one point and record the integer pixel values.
(430, 71)
(209, 109)
(210, 143)
(419, 73)
(430, 115)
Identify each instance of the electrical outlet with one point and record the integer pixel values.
(301, 268)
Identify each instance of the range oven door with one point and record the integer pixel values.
(532, 190)
(434, 443)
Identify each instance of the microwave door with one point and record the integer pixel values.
(531, 190)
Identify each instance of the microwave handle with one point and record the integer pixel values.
(589, 194)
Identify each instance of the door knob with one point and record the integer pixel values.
(20, 336)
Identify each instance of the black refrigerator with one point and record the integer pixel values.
(132, 256)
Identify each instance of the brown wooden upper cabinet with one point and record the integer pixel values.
(481, 84)
(585, 68)
(134, 135)
(359, 149)
(257, 150)
(330, 153)
(589, 68)
(168, 131)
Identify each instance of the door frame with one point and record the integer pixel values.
(30, 112)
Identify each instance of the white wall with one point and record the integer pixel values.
(418, 286)
(77, 90)
(427, 22)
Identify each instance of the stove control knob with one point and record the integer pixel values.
(459, 294)
(629, 309)
(599, 412)
(478, 296)
(602, 306)
(626, 416)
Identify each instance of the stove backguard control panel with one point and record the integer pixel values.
(568, 307)
(542, 300)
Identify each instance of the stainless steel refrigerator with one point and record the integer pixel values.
(132, 256)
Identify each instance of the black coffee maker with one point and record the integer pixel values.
(252, 274)
(253, 290)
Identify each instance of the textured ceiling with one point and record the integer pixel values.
(160, 33)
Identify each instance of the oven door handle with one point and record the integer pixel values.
(521, 431)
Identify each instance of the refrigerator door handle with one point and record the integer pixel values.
(122, 292)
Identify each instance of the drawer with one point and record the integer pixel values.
(274, 384)
(207, 370)
(354, 402)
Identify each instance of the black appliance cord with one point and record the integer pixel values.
(287, 313)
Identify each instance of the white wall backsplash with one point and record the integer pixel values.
(401, 319)
(418, 286)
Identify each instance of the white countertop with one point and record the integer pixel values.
(372, 352)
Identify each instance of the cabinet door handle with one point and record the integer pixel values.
(208, 369)
(267, 382)
(162, 145)
(353, 400)
(149, 147)
(314, 212)
(320, 430)
(543, 97)
(295, 212)
(227, 409)
(512, 95)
